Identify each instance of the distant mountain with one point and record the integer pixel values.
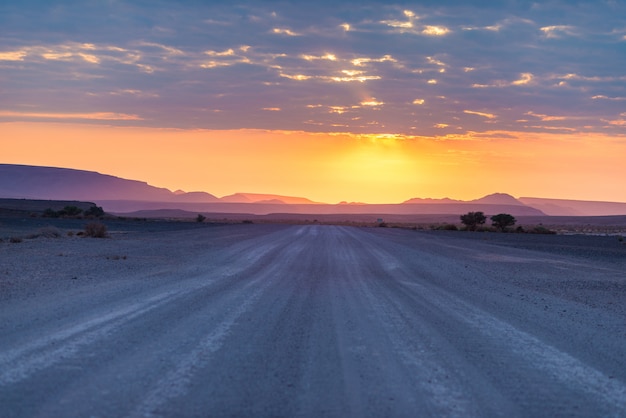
(428, 200)
(120, 195)
(563, 207)
(492, 199)
(32, 182)
(266, 198)
(498, 199)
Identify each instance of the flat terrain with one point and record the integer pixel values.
(271, 320)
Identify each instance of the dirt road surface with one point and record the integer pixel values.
(262, 320)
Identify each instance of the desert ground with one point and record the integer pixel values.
(187, 319)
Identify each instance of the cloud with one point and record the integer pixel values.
(13, 55)
(484, 115)
(603, 97)
(366, 60)
(545, 118)
(88, 116)
(525, 78)
(329, 57)
(557, 31)
(435, 30)
(283, 31)
(372, 103)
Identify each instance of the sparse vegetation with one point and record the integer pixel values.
(444, 227)
(472, 220)
(502, 221)
(15, 240)
(247, 221)
(46, 232)
(96, 230)
(73, 212)
(50, 213)
(94, 211)
(70, 211)
(540, 229)
(116, 257)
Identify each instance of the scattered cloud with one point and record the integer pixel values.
(418, 61)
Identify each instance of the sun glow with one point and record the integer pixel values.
(327, 167)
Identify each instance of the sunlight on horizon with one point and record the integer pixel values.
(327, 167)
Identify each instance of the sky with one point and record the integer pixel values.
(368, 101)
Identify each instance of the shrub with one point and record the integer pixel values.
(96, 230)
(50, 232)
(502, 221)
(95, 211)
(200, 218)
(541, 230)
(473, 219)
(247, 221)
(70, 211)
(50, 213)
(15, 240)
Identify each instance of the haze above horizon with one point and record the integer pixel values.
(364, 101)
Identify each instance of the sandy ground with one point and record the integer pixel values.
(172, 319)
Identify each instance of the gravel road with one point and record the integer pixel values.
(266, 320)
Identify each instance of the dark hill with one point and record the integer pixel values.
(30, 182)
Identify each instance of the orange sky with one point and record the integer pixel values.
(331, 167)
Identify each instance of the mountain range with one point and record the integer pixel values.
(118, 195)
